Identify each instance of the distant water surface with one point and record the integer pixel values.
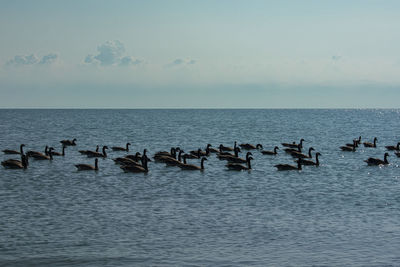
(342, 213)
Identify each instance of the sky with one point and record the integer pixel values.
(199, 54)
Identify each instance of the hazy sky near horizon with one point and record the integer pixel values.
(261, 54)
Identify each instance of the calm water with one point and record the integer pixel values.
(342, 213)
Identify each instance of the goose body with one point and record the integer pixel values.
(248, 146)
(349, 148)
(287, 167)
(125, 161)
(58, 153)
(294, 145)
(239, 167)
(85, 152)
(367, 144)
(239, 160)
(291, 150)
(40, 156)
(375, 161)
(191, 167)
(118, 148)
(88, 167)
(14, 152)
(136, 168)
(16, 164)
(310, 162)
(297, 154)
(227, 148)
(68, 142)
(93, 154)
(397, 147)
(266, 152)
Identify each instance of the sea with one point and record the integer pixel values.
(341, 213)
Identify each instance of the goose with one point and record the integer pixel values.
(211, 149)
(85, 152)
(266, 152)
(190, 167)
(88, 167)
(287, 167)
(349, 148)
(16, 164)
(118, 148)
(367, 144)
(226, 155)
(375, 161)
(294, 145)
(68, 142)
(175, 162)
(248, 146)
(92, 154)
(227, 148)
(41, 156)
(397, 154)
(297, 154)
(239, 160)
(58, 153)
(10, 152)
(310, 162)
(166, 153)
(135, 157)
(359, 140)
(291, 150)
(163, 155)
(31, 153)
(126, 161)
(135, 168)
(393, 147)
(239, 167)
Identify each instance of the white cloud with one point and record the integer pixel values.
(111, 53)
(181, 62)
(21, 60)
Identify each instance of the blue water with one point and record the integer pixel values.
(343, 213)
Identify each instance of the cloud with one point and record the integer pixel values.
(181, 62)
(48, 59)
(111, 53)
(21, 60)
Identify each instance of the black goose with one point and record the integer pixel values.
(88, 167)
(191, 167)
(368, 144)
(137, 157)
(58, 153)
(297, 154)
(248, 146)
(163, 155)
(211, 149)
(175, 162)
(16, 164)
(397, 147)
(266, 152)
(287, 167)
(40, 156)
(85, 152)
(136, 168)
(31, 153)
(118, 148)
(68, 142)
(239, 167)
(226, 155)
(291, 150)
(294, 145)
(126, 161)
(349, 148)
(375, 161)
(14, 152)
(310, 162)
(239, 160)
(93, 154)
(227, 148)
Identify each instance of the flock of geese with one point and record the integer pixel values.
(177, 157)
